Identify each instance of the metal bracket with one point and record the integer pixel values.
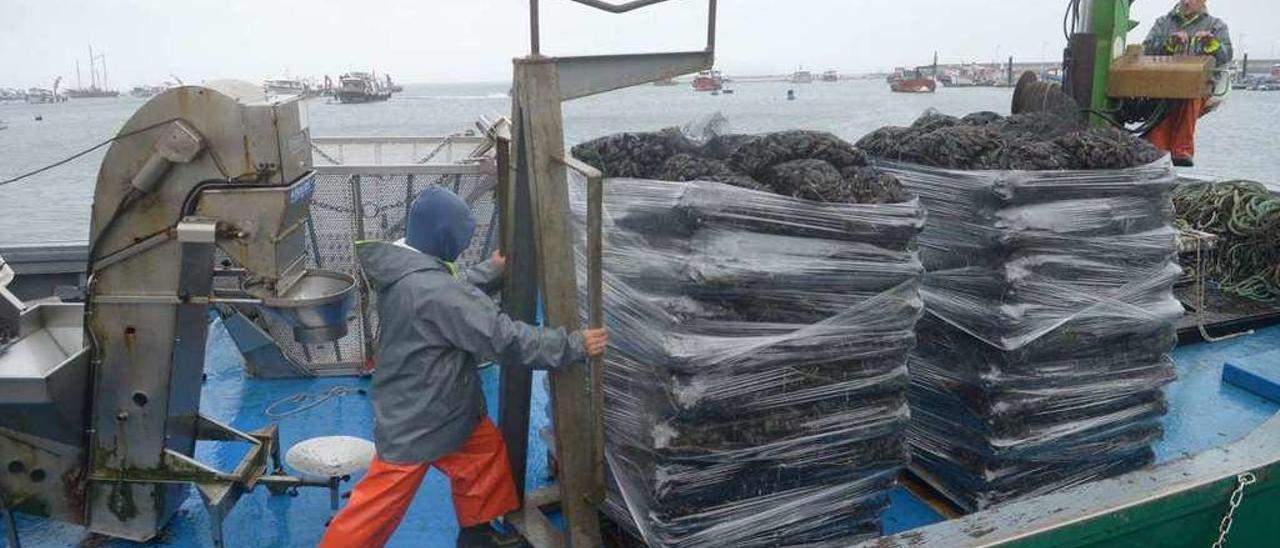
(583, 76)
(535, 34)
(220, 490)
(595, 312)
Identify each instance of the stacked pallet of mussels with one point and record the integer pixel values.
(1049, 302)
(756, 377)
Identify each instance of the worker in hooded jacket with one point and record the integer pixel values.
(1187, 30)
(437, 327)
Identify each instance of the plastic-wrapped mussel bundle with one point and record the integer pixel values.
(756, 377)
(1049, 316)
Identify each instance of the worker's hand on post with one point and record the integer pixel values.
(499, 261)
(595, 341)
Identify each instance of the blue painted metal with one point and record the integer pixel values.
(1258, 374)
(1204, 413)
(907, 512)
(263, 358)
(261, 520)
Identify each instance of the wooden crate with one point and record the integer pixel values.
(1160, 77)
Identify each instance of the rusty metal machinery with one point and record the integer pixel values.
(100, 403)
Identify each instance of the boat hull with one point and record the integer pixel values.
(914, 85)
(88, 94)
(1181, 503)
(348, 97)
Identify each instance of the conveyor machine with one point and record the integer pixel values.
(100, 402)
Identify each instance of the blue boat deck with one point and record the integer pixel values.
(1204, 413)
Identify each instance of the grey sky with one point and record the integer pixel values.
(474, 40)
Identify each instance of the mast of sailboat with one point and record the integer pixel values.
(935, 64)
(93, 70)
(78, 84)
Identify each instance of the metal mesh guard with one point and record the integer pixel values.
(350, 208)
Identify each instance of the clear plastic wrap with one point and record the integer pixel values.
(1050, 313)
(756, 377)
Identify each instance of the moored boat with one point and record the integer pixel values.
(361, 87)
(286, 86)
(94, 91)
(708, 80)
(42, 95)
(913, 84)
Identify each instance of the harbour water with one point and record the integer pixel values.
(1240, 140)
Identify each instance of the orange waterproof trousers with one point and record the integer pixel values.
(1177, 133)
(479, 476)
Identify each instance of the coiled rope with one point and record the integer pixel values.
(1245, 216)
(298, 403)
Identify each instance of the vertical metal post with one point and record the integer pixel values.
(519, 297)
(541, 141)
(535, 40)
(1108, 23)
(595, 317)
(711, 25)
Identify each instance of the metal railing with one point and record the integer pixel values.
(364, 187)
(396, 150)
(354, 203)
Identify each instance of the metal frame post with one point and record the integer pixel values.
(538, 93)
(519, 300)
(1109, 24)
(537, 237)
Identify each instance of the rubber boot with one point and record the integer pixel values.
(485, 536)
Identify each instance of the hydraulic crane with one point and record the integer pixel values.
(1109, 80)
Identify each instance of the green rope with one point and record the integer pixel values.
(1245, 216)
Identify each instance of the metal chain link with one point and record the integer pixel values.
(1242, 480)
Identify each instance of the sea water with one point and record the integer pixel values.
(1240, 140)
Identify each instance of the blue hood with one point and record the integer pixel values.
(440, 224)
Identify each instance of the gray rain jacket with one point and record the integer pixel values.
(1157, 42)
(434, 332)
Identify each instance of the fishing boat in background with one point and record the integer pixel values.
(915, 81)
(286, 86)
(801, 76)
(361, 87)
(831, 76)
(912, 82)
(708, 80)
(42, 95)
(956, 81)
(8, 94)
(392, 86)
